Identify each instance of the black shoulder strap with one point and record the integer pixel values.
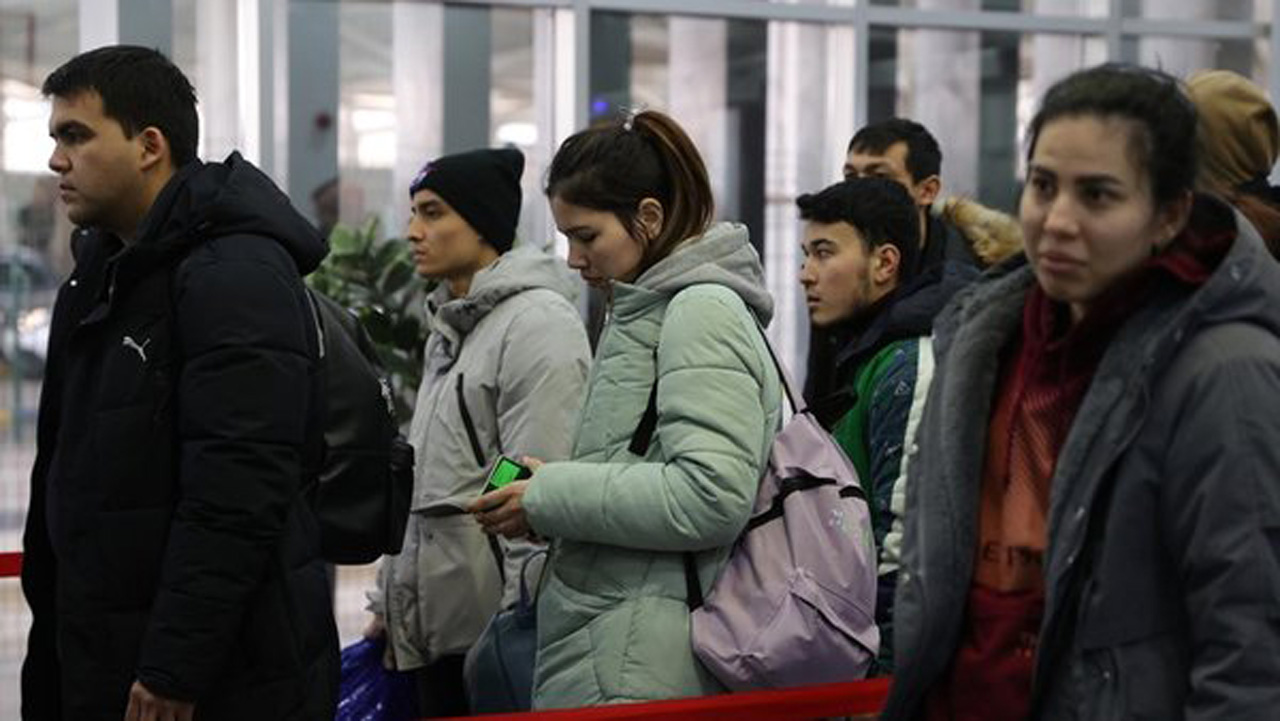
(692, 585)
(643, 434)
(640, 441)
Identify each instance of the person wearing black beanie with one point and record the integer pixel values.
(483, 186)
(465, 208)
(504, 374)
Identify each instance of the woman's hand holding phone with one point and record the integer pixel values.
(501, 512)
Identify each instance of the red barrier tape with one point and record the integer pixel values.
(10, 565)
(861, 698)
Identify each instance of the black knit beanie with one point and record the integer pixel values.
(483, 186)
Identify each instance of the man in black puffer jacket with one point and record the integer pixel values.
(172, 563)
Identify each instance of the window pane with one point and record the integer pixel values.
(1078, 8)
(975, 91)
(810, 121)
(1185, 56)
(35, 38)
(207, 48)
(367, 120)
(420, 80)
(1249, 10)
(521, 106)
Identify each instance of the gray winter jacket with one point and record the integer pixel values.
(505, 370)
(1162, 571)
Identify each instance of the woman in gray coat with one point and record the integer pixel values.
(1102, 542)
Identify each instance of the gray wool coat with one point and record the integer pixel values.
(1162, 571)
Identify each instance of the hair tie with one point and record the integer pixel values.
(629, 116)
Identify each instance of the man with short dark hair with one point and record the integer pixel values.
(869, 368)
(954, 230)
(171, 559)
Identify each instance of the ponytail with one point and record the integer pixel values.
(613, 166)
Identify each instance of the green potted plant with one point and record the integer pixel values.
(374, 277)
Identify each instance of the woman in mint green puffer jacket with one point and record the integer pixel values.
(687, 304)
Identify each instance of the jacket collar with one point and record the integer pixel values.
(908, 312)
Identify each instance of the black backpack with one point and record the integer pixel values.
(365, 480)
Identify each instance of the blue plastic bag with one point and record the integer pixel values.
(370, 692)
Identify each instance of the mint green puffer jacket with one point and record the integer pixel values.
(613, 624)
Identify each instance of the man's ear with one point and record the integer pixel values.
(650, 217)
(155, 148)
(886, 260)
(928, 190)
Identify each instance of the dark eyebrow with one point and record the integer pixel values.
(1099, 179)
(67, 126)
(574, 229)
(1033, 169)
(817, 244)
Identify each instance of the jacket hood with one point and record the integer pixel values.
(209, 200)
(518, 270)
(1245, 287)
(835, 353)
(909, 312)
(992, 235)
(723, 256)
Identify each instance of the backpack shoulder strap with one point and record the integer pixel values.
(692, 585)
(794, 396)
(643, 434)
(642, 437)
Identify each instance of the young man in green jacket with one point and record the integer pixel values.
(870, 366)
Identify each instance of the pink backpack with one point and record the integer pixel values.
(795, 604)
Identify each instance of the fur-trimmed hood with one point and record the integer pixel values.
(994, 236)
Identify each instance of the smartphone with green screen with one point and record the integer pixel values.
(504, 471)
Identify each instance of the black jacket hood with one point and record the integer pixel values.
(908, 312)
(210, 200)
